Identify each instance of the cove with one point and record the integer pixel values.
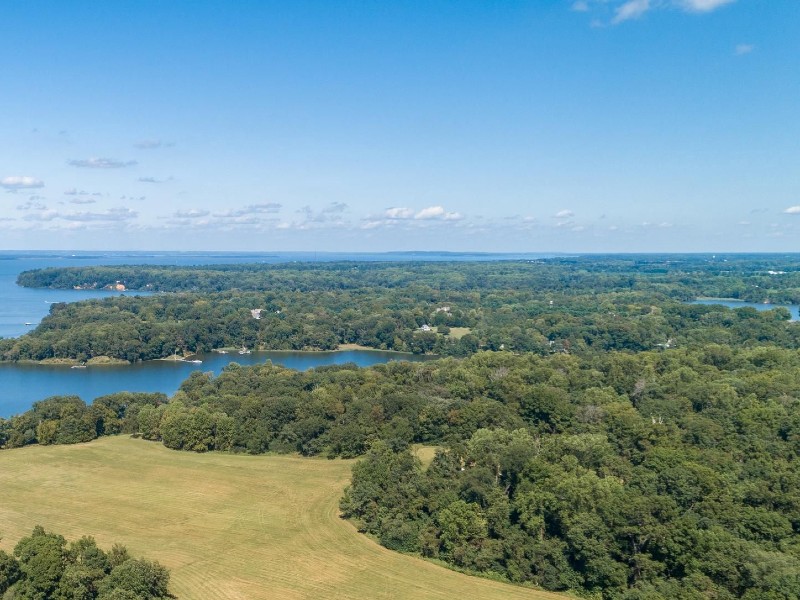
(794, 309)
(24, 384)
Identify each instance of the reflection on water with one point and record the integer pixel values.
(794, 309)
(23, 384)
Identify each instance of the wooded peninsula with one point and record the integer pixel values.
(595, 431)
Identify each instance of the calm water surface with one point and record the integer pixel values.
(23, 384)
(21, 309)
(19, 305)
(792, 308)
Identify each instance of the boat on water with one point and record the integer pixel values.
(196, 362)
(78, 367)
(244, 351)
(28, 324)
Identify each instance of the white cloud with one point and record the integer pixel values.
(77, 192)
(45, 215)
(335, 208)
(254, 217)
(793, 210)
(626, 10)
(112, 214)
(399, 213)
(152, 144)
(401, 216)
(101, 163)
(632, 9)
(74, 226)
(32, 204)
(82, 201)
(23, 182)
(192, 213)
(564, 214)
(265, 207)
(432, 212)
(252, 209)
(372, 224)
(330, 215)
(247, 220)
(742, 49)
(662, 225)
(703, 5)
(153, 180)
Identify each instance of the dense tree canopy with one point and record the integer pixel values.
(594, 432)
(756, 277)
(647, 475)
(580, 304)
(45, 567)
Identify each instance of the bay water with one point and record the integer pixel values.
(794, 309)
(23, 384)
(21, 309)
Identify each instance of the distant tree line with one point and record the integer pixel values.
(44, 566)
(755, 278)
(576, 306)
(614, 441)
(662, 474)
(69, 420)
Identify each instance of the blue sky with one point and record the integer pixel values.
(549, 125)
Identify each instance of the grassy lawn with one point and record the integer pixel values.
(425, 454)
(245, 527)
(458, 332)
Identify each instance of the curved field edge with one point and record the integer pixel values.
(227, 526)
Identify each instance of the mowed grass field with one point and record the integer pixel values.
(227, 526)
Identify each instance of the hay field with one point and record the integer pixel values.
(228, 527)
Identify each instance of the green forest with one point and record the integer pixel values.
(584, 304)
(44, 566)
(595, 433)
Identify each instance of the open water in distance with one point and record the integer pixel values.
(23, 384)
(792, 308)
(21, 309)
(19, 305)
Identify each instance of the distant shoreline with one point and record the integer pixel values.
(101, 361)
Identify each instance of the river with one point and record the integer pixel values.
(21, 309)
(23, 384)
(794, 309)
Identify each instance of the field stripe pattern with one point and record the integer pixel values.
(228, 526)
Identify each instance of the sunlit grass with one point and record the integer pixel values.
(227, 526)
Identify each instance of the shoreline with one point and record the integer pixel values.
(101, 361)
(97, 361)
(709, 298)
